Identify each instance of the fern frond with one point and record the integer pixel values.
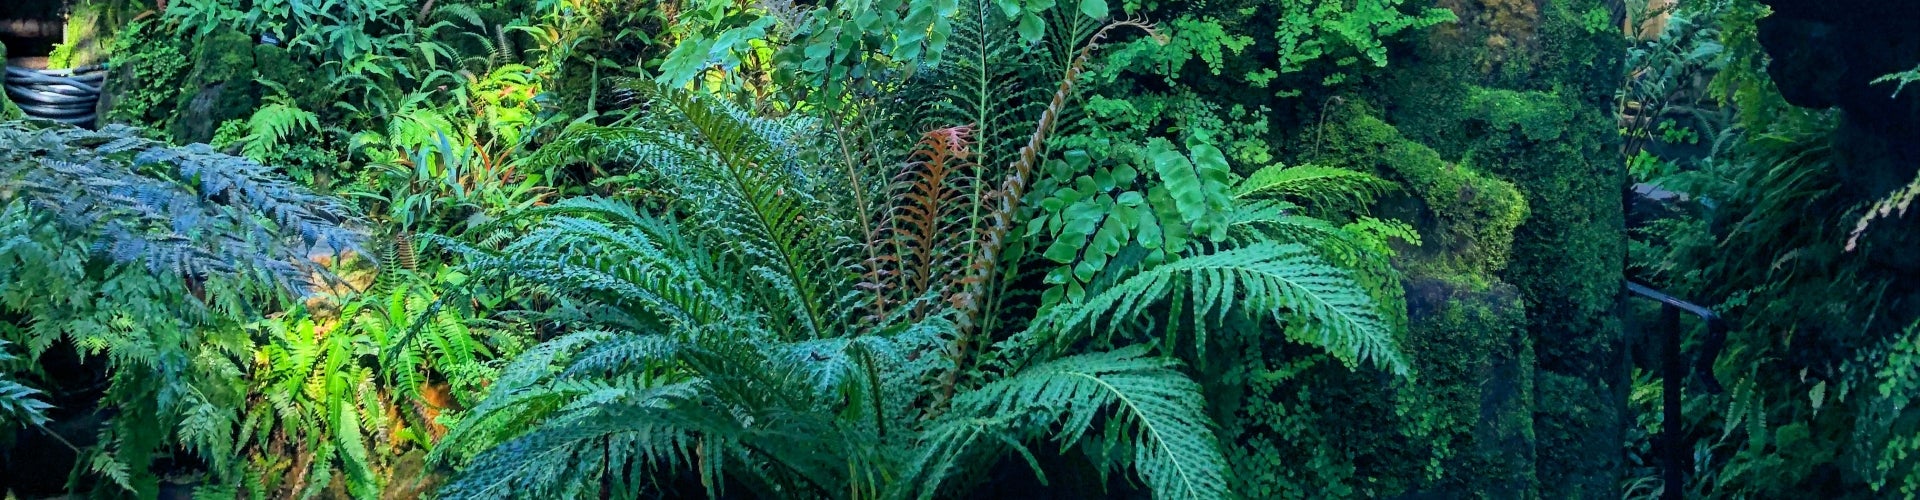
(1005, 201)
(273, 124)
(1157, 412)
(1319, 303)
(745, 191)
(19, 403)
(186, 211)
(925, 248)
(560, 460)
(1894, 205)
(1313, 185)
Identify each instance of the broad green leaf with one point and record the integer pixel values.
(1030, 27)
(1009, 8)
(1096, 9)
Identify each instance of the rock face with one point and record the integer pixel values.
(219, 88)
(1826, 53)
(1518, 95)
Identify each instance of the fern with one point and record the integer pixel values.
(735, 180)
(172, 208)
(273, 124)
(19, 403)
(1280, 282)
(925, 238)
(1894, 205)
(1005, 202)
(629, 406)
(182, 247)
(1900, 80)
(1314, 185)
(1160, 411)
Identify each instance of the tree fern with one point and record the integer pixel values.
(183, 246)
(172, 208)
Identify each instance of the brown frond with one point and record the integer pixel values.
(922, 241)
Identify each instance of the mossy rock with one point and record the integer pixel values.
(1467, 216)
(146, 77)
(1468, 341)
(299, 78)
(220, 87)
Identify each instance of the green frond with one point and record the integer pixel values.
(1313, 185)
(1158, 412)
(742, 185)
(566, 459)
(597, 251)
(19, 403)
(1319, 303)
(273, 124)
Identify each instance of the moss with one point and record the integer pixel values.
(1469, 343)
(1467, 216)
(1536, 114)
(1463, 426)
(1569, 263)
(221, 86)
(89, 32)
(301, 80)
(146, 78)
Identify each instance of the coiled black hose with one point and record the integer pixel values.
(62, 95)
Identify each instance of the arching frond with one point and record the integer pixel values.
(739, 179)
(1320, 303)
(1313, 185)
(924, 249)
(1157, 412)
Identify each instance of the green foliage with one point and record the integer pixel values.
(1900, 80)
(353, 394)
(1890, 430)
(851, 250)
(1347, 34)
(1785, 246)
(170, 209)
(709, 332)
(152, 257)
(147, 54)
(19, 403)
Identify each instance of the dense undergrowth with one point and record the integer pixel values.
(930, 248)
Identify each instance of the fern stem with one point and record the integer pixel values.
(1000, 222)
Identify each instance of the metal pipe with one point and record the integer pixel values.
(26, 95)
(1672, 381)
